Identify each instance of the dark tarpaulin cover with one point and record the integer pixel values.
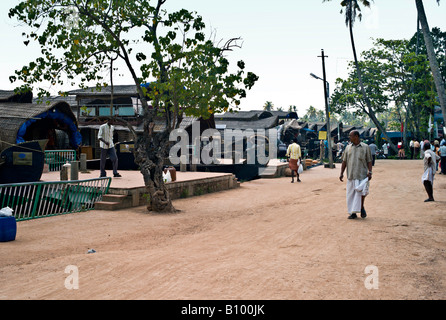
(74, 134)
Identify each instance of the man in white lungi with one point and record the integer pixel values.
(430, 166)
(357, 158)
(294, 154)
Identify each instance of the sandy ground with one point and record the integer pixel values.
(268, 239)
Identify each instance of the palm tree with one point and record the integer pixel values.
(268, 106)
(439, 84)
(353, 10)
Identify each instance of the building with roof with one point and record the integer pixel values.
(11, 96)
(243, 120)
(20, 122)
(94, 105)
(27, 130)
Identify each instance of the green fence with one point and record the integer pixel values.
(43, 199)
(57, 158)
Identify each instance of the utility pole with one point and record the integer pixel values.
(327, 111)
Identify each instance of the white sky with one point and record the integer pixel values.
(282, 40)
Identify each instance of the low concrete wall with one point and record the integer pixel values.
(181, 189)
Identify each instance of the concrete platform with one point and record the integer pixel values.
(129, 190)
(274, 169)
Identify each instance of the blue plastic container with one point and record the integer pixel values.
(8, 228)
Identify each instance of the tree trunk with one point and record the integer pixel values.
(112, 108)
(150, 152)
(151, 148)
(414, 118)
(370, 112)
(439, 84)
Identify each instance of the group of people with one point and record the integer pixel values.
(401, 150)
(417, 148)
(439, 149)
(358, 159)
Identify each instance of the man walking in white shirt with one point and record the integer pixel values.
(105, 137)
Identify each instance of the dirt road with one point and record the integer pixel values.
(268, 239)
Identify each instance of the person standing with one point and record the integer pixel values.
(340, 147)
(105, 137)
(422, 149)
(436, 149)
(334, 150)
(294, 154)
(443, 157)
(412, 148)
(401, 151)
(357, 159)
(322, 149)
(416, 146)
(430, 163)
(373, 148)
(386, 150)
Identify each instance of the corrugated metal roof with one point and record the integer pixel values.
(252, 115)
(6, 94)
(266, 123)
(10, 96)
(70, 100)
(120, 90)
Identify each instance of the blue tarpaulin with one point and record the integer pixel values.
(396, 134)
(74, 134)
